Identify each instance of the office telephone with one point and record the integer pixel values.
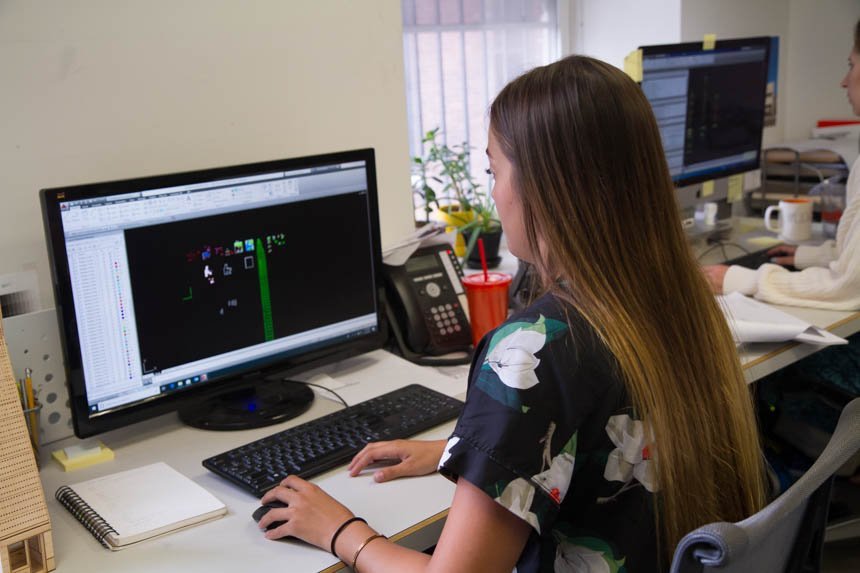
(425, 307)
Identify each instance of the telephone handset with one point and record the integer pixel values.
(425, 307)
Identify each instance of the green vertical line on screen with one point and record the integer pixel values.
(265, 298)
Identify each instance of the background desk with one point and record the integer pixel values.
(748, 234)
(761, 359)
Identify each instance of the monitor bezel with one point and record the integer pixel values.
(728, 44)
(85, 424)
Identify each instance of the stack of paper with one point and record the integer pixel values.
(433, 233)
(754, 321)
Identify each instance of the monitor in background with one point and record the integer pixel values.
(709, 106)
(177, 290)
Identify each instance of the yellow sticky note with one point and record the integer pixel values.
(709, 41)
(633, 65)
(88, 458)
(708, 188)
(736, 188)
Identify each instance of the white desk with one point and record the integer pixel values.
(411, 511)
(761, 359)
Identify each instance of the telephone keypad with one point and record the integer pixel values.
(436, 281)
(447, 318)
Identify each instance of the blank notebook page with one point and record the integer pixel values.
(146, 499)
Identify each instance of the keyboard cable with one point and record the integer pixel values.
(329, 390)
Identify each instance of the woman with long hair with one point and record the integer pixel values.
(610, 416)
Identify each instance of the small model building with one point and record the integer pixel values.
(25, 528)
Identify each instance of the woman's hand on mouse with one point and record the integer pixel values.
(412, 457)
(312, 515)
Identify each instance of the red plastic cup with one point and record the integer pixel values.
(488, 302)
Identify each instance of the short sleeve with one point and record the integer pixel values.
(510, 440)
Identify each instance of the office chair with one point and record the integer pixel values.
(787, 535)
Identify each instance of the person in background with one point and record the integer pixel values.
(579, 447)
(829, 274)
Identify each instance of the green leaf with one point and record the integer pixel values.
(570, 446)
(488, 381)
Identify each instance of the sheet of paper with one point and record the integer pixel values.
(754, 321)
(736, 188)
(430, 234)
(330, 383)
(752, 180)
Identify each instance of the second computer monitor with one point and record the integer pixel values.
(709, 105)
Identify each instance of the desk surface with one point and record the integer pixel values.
(234, 543)
(411, 511)
(759, 360)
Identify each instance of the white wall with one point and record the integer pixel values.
(96, 90)
(820, 38)
(610, 29)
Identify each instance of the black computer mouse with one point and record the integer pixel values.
(264, 509)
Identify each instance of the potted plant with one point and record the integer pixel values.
(444, 185)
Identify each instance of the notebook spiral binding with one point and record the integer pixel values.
(94, 523)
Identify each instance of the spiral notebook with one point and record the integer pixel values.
(127, 507)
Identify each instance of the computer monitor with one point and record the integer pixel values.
(709, 105)
(175, 290)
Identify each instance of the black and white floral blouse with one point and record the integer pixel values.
(548, 432)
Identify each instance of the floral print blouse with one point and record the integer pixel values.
(548, 433)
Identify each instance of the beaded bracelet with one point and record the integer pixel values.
(340, 530)
(362, 546)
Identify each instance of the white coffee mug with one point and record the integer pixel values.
(794, 220)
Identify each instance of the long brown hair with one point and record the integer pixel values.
(604, 229)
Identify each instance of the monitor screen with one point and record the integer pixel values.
(709, 105)
(176, 287)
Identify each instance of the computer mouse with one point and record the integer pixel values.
(264, 509)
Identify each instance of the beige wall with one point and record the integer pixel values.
(98, 90)
(744, 18)
(611, 29)
(820, 38)
(815, 37)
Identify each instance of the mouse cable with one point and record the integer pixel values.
(722, 246)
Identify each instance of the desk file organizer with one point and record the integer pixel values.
(25, 529)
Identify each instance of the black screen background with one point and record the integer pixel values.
(725, 111)
(322, 274)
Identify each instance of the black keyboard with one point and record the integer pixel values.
(754, 260)
(319, 445)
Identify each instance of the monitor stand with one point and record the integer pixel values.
(256, 403)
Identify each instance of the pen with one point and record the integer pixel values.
(31, 407)
(20, 386)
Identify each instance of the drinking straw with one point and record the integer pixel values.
(483, 259)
